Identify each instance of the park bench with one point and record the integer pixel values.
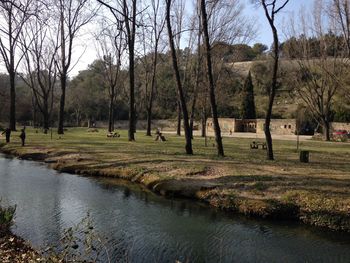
(113, 135)
(255, 145)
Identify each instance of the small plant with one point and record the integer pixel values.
(7, 215)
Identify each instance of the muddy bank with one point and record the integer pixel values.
(302, 206)
(14, 249)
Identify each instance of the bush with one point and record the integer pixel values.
(7, 215)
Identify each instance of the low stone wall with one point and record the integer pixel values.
(278, 126)
(227, 125)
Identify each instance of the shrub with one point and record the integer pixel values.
(7, 215)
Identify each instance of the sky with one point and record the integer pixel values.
(264, 31)
(257, 14)
(85, 48)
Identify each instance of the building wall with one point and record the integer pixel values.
(227, 125)
(245, 125)
(278, 126)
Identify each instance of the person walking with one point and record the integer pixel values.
(7, 133)
(23, 136)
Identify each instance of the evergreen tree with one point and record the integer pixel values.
(248, 105)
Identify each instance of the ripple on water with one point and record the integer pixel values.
(143, 227)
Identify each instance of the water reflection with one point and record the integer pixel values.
(143, 227)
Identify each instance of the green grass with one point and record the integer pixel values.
(243, 173)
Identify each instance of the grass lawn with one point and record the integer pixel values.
(317, 192)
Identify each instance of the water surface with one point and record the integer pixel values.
(151, 228)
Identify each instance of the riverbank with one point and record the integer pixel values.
(15, 249)
(244, 181)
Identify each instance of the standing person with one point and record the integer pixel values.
(23, 136)
(7, 133)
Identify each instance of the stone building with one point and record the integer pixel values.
(227, 125)
(230, 125)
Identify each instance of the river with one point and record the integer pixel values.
(150, 228)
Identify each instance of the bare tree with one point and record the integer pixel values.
(207, 45)
(73, 16)
(318, 78)
(271, 9)
(180, 90)
(14, 15)
(40, 48)
(125, 13)
(340, 10)
(198, 72)
(157, 25)
(178, 22)
(111, 49)
(226, 24)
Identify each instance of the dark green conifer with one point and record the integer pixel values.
(248, 104)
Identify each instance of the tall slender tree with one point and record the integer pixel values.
(158, 22)
(111, 47)
(125, 13)
(248, 104)
(179, 85)
(212, 98)
(15, 14)
(40, 46)
(271, 9)
(73, 15)
(340, 10)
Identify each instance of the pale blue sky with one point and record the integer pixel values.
(264, 34)
(257, 14)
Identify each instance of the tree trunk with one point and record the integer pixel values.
(12, 101)
(149, 120)
(178, 127)
(193, 108)
(131, 30)
(78, 120)
(217, 130)
(46, 117)
(204, 123)
(63, 76)
(153, 85)
(326, 130)
(131, 132)
(198, 72)
(192, 117)
(149, 109)
(272, 92)
(63, 79)
(181, 95)
(270, 155)
(110, 114)
(34, 111)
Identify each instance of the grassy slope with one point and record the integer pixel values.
(317, 193)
